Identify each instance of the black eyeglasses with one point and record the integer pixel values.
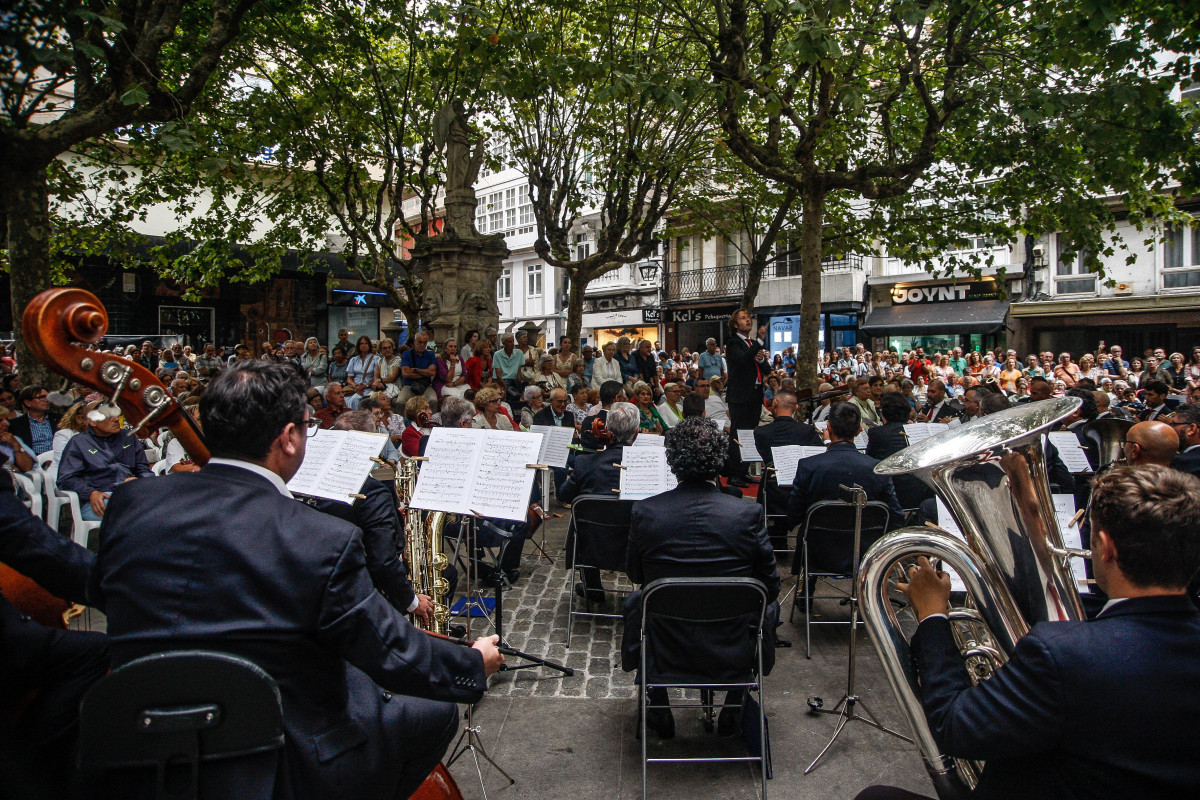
(311, 425)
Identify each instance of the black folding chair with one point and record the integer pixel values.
(598, 538)
(829, 531)
(166, 718)
(697, 603)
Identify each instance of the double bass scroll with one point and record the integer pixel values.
(58, 321)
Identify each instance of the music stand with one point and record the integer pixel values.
(847, 708)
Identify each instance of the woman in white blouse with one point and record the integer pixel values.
(606, 368)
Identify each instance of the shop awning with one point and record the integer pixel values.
(983, 316)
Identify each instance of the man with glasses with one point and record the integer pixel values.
(277, 582)
(1186, 424)
(671, 411)
(36, 428)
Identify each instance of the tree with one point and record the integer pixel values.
(74, 71)
(940, 120)
(604, 129)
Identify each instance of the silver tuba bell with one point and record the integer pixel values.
(991, 474)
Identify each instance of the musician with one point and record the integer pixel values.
(1186, 423)
(1156, 401)
(101, 458)
(937, 407)
(696, 530)
(783, 430)
(595, 472)
(818, 478)
(375, 515)
(1078, 423)
(1104, 708)
(890, 438)
(745, 359)
(610, 392)
(37, 740)
(287, 587)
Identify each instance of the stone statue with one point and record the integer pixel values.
(451, 131)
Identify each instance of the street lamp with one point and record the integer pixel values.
(649, 269)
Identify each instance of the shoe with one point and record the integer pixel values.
(782, 642)
(753, 479)
(512, 575)
(729, 723)
(661, 721)
(592, 595)
(739, 483)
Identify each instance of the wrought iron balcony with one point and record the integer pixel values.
(715, 283)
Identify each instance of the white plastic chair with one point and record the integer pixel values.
(55, 500)
(33, 497)
(159, 467)
(81, 528)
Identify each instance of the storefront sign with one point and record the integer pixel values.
(651, 315)
(699, 314)
(361, 299)
(945, 293)
(608, 319)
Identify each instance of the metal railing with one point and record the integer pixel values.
(705, 284)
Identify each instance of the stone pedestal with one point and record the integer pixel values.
(459, 275)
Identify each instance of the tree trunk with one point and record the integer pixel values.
(27, 208)
(811, 233)
(579, 283)
(754, 273)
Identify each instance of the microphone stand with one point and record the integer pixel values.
(847, 708)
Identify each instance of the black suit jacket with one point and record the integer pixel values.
(1067, 716)
(947, 412)
(383, 536)
(546, 417)
(742, 386)
(231, 564)
(695, 530)
(882, 442)
(1188, 462)
(19, 427)
(783, 431)
(592, 472)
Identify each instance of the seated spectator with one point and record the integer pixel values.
(479, 365)
(579, 404)
(390, 422)
(419, 415)
(73, 421)
(16, 454)
(36, 428)
(643, 396)
(174, 455)
(534, 397)
(335, 404)
(101, 458)
(489, 414)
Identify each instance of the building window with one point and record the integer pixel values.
(525, 211)
(787, 256)
(689, 252)
(504, 285)
(1071, 275)
(1181, 257)
(737, 249)
(583, 247)
(533, 274)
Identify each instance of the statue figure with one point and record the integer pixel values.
(451, 131)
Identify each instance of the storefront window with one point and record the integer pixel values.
(606, 335)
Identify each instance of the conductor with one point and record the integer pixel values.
(237, 565)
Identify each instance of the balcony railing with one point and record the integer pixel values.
(791, 268)
(705, 284)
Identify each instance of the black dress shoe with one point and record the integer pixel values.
(659, 720)
(591, 595)
(729, 723)
(512, 575)
(739, 483)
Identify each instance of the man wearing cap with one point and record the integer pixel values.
(100, 458)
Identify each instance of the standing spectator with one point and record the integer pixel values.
(712, 365)
(343, 344)
(208, 365)
(1192, 370)
(1066, 371)
(470, 342)
(314, 362)
(507, 364)
(607, 367)
(647, 366)
(625, 358)
(1178, 373)
(148, 358)
(860, 398)
(1010, 375)
(36, 428)
(918, 366)
(1115, 365)
(240, 353)
(1088, 368)
(957, 362)
(1156, 371)
(564, 361)
(1033, 367)
(360, 370)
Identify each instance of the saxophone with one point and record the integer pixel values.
(422, 547)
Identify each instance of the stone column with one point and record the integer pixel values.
(460, 277)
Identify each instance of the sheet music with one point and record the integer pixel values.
(645, 473)
(918, 431)
(950, 526)
(336, 463)
(648, 440)
(860, 441)
(746, 443)
(474, 470)
(445, 480)
(787, 457)
(954, 423)
(821, 425)
(1070, 452)
(1064, 509)
(556, 442)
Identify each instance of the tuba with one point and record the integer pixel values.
(1111, 433)
(991, 474)
(422, 546)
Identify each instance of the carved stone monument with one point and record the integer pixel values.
(459, 267)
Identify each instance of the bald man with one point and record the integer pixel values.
(1102, 404)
